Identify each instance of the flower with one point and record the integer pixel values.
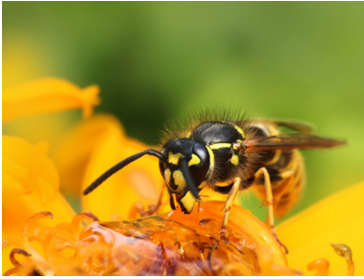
(30, 179)
(163, 243)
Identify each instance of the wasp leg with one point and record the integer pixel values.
(269, 202)
(159, 203)
(152, 209)
(228, 204)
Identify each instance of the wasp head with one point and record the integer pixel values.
(185, 170)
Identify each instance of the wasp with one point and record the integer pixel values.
(229, 154)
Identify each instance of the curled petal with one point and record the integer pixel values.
(47, 95)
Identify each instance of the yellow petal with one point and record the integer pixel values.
(75, 149)
(42, 127)
(47, 95)
(16, 210)
(26, 167)
(30, 184)
(139, 181)
(337, 219)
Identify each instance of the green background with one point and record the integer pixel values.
(155, 61)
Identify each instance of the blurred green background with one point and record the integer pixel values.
(156, 60)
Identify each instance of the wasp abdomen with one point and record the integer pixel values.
(287, 179)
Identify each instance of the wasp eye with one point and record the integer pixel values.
(201, 151)
(199, 170)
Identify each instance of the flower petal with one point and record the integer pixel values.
(76, 147)
(139, 181)
(26, 167)
(17, 209)
(30, 183)
(47, 95)
(336, 219)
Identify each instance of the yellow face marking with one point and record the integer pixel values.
(188, 135)
(173, 158)
(167, 175)
(240, 130)
(194, 161)
(179, 180)
(235, 160)
(220, 145)
(188, 201)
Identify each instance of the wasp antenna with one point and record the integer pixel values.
(187, 175)
(120, 165)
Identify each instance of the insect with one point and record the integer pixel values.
(228, 154)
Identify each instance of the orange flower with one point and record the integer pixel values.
(30, 179)
(163, 244)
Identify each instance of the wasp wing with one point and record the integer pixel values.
(299, 127)
(290, 141)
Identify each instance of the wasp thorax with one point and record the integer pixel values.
(182, 181)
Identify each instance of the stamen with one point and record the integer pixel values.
(17, 251)
(344, 251)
